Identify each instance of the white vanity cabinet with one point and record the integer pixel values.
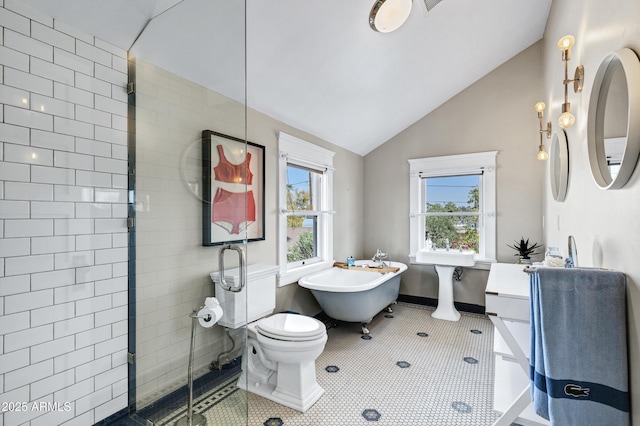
(507, 305)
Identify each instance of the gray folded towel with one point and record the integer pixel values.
(579, 370)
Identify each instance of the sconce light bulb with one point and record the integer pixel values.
(566, 42)
(540, 106)
(542, 154)
(566, 120)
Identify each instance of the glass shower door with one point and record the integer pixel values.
(189, 195)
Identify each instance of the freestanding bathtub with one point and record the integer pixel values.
(354, 295)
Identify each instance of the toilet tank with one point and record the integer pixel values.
(256, 300)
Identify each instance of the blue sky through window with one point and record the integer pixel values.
(298, 178)
(455, 189)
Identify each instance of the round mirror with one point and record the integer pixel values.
(613, 135)
(559, 165)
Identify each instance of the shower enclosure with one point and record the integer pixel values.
(187, 77)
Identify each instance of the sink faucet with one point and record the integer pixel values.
(572, 257)
(379, 257)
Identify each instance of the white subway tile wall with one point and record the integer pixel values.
(172, 266)
(63, 195)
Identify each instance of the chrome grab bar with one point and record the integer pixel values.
(243, 269)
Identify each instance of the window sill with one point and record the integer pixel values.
(292, 276)
(481, 264)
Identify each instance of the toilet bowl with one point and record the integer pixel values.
(280, 361)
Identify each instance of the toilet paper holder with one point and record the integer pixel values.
(197, 315)
(208, 314)
(190, 419)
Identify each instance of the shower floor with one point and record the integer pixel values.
(414, 370)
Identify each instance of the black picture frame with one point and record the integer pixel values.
(233, 192)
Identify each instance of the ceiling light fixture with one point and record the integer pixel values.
(389, 15)
(565, 44)
(542, 154)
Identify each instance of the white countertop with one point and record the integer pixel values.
(508, 279)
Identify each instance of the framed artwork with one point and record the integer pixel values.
(233, 191)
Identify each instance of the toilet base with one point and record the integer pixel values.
(270, 392)
(268, 372)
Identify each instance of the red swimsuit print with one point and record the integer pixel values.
(226, 171)
(229, 210)
(233, 211)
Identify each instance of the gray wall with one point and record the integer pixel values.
(494, 114)
(604, 223)
(348, 199)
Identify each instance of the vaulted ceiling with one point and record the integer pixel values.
(317, 65)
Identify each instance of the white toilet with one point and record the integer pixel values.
(279, 361)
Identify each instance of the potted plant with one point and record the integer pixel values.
(524, 250)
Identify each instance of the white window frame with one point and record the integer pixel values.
(298, 152)
(455, 165)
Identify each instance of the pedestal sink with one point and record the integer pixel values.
(445, 262)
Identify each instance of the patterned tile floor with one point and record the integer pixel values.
(226, 405)
(415, 370)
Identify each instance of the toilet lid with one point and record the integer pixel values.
(291, 327)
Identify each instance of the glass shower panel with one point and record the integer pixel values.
(188, 66)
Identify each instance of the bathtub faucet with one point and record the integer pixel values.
(380, 257)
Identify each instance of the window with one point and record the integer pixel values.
(452, 210)
(305, 240)
(452, 200)
(304, 187)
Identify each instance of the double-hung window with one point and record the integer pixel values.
(305, 240)
(453, 204)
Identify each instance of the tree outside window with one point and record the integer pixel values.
(301, 229)
(444, 196)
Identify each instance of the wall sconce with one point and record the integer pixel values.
(542, 154)
(565, 44)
